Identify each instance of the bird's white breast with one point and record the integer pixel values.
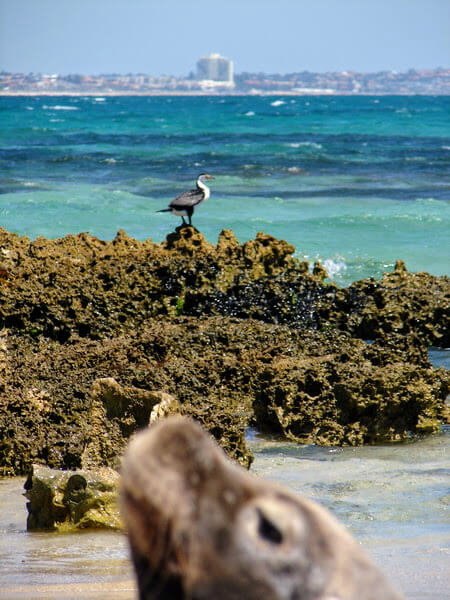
(204, 188)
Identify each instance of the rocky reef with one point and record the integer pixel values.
(98, 338)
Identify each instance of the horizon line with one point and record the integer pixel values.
(349, 71)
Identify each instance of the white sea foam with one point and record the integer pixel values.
(29, 108)
(60, 107)
(294, 170)
(277, 103)
(305, 144)
(250, 113)
(100, 99)
(334, 266)
(445, 147)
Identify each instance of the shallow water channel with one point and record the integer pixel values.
(395, 499)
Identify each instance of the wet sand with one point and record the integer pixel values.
(117, 590)
(91, 564)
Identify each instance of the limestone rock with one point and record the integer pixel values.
(238, 334)
(116, 412)
(74, 405)
(68, 500)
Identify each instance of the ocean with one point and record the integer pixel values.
(355, 182)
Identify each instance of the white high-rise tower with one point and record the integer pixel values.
(215, 68)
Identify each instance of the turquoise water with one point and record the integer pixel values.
(356, 182)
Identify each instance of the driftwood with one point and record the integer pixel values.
(202, 528)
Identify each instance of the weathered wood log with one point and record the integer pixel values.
(65, 500)
(201, 527)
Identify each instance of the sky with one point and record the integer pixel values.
(167, 37)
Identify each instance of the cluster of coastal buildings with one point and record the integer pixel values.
(215, 75)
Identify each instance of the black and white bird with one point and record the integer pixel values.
(183, 205)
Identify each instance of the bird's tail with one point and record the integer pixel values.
(164, 210)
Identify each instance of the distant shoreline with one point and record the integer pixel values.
(206, 93)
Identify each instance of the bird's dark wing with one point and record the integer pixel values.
(187, 199)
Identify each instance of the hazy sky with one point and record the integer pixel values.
(168, 36)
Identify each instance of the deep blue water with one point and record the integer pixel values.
(356, 182)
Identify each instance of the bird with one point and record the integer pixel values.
(183, 205)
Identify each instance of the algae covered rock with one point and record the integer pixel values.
(75, 405)
(67, 500)
(400, 303)
(79, 285)
(344, 398)
(116, 412)
(99, 338)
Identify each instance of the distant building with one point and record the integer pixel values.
(217, 69)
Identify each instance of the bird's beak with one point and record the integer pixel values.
(209, 177)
